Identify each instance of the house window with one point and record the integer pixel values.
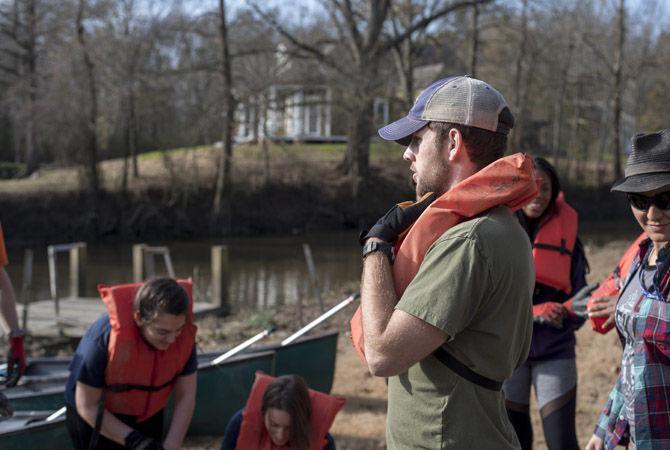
(313, 115)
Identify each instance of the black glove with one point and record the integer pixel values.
(137, 441)
(398, 219)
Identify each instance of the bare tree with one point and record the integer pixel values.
(474, 49)
(91, 146)
(618, 87)
(360, 29)
(223, 193)
(19, 25)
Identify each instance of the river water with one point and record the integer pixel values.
(264, 272)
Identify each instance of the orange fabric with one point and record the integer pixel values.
(3, 252)
(509, 181)
(253, 434)
(131, 360)
(552, 267)
(611, 286)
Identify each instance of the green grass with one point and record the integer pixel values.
(379, 150)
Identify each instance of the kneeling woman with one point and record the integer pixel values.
(127, 365)
(283, 413)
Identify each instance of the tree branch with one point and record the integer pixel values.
(315, 52)
(424, 22)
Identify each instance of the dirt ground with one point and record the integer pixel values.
(361, 423)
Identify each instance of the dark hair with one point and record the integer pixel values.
(483, 146)
(546, 167)
(289, 393)
(160, 295)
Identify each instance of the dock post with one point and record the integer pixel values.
(313, 277)
(138, 263)
(220, 270)
(26, 285)
(77, 270)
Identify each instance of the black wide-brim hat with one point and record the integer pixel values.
(648, 166)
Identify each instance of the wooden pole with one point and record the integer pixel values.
(314, 279)
(26, 285)
(77, 270)
(220, 279)
(138, 263)
(53, 285)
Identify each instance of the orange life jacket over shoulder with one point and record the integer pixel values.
(612, 285)
(253, 434)
(139, 378)
(508, 181)
(553, 246)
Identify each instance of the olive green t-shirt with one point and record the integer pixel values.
(475, 284)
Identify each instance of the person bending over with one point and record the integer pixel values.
(127, 365)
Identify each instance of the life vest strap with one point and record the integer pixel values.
(563, 249)
(464, 371)
(138, 387)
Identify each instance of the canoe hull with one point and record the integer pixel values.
(222, 390)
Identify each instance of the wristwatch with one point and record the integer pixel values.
(378, 246)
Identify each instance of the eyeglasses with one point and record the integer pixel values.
(642, 202)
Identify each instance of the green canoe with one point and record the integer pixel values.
(29, 430)
(222, 389)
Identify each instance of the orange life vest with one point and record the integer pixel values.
(253, 434)
(508, 181)
(553, 246)
(612, 285)
(133, 361)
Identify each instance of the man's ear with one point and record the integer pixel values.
(137, 317)
(455, 144)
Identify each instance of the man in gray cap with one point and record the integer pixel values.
(446, 305)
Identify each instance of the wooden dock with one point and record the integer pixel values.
(76, 314)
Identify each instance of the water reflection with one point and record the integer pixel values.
(264, 272)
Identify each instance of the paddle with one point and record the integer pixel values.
(343, 304)
(242, 346)
(55, 415)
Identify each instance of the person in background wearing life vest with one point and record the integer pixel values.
(16, 358)
(127, 365)
(559, 308)
(447, 282)
(281, 414)
(638, 408)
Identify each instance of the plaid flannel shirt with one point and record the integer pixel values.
(651, 371)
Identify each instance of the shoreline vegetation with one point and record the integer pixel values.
(288, 189)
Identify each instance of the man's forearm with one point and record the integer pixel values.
(378, 299)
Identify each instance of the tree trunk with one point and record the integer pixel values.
(474, 50)
(31, 63)
(559, 104)
(91, 162)
(618, 87)
(518, 75)
(358, 144)
(222, 204)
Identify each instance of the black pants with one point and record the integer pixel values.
(80, 431)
